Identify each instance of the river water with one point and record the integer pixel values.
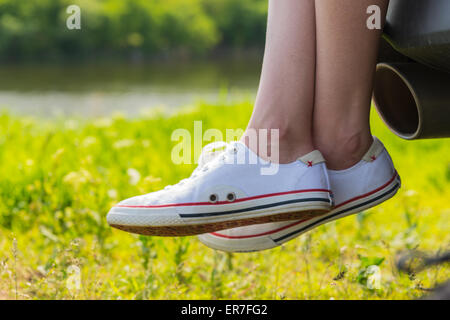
(101, 89)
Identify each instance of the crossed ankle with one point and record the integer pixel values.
(275, 145)
(344, 152)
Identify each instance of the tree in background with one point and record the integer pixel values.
(35, 30)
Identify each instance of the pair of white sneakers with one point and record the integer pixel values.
(257, 211)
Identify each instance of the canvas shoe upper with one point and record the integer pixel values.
(371, 181)
(232, 188)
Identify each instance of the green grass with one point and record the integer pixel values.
(59, 178)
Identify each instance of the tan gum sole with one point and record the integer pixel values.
(196, 229)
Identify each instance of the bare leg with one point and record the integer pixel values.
(285, 97)
(346, 59)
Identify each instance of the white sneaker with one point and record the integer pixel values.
(370, 182)
(226, 192)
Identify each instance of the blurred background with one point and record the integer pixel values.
(129, 54)
(81, 129)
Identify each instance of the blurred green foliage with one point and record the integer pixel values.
(59, 178)
(34, 30)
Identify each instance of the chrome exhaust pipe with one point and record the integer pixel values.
(413, 100)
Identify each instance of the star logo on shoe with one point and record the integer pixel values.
(310, 163)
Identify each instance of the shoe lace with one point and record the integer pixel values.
(209, 153)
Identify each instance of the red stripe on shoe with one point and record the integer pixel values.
(301, 221)
(369, 193)
(259, 234)
(226, 202)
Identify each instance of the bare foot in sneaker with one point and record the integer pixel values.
(229, 191)
(370, 182)
(314, 94)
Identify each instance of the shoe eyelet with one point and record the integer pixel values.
(213, 198)
(231, 197)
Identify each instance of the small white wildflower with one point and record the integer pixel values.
(29, 162)
(73, 282)
(124, 143)
(41, 269)
(134, 175)
(88, 141)
(112, 193)
(373, 277)
(71, 178)
(77, 178)
(410, 193)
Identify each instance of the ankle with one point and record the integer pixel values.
(278, 145)
(344, 151)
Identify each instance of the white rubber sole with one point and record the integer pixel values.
(273, 238)
(194, 218)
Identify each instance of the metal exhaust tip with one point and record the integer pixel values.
(396, 102)
(413, 100)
